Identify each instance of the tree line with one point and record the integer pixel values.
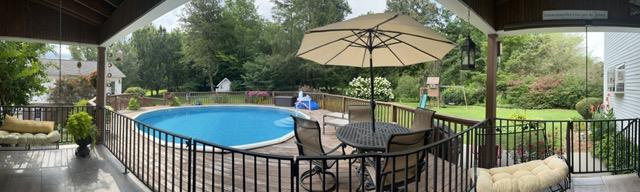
(228, 38)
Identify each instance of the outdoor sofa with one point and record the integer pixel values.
(17, 132)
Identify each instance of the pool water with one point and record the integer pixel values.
(233, 126)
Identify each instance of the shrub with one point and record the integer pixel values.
(605, 124)
(361, 88)
(408, 88)
(175, 101)
(140, 92)
(80, 126)
(587, 106)
(82, 103)
(518, 116)
(618, 151)
(453, 96)
(134, 104)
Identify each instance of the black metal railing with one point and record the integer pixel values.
(589, 146)
(166, 161)
(444, 165)
(58, 114)
(160, 159)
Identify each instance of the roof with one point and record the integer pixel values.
(224, 80)
(70, 67)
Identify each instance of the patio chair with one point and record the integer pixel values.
(398, 170)
(359, 113)
(307, 133)
(335, 119)
(423, 119)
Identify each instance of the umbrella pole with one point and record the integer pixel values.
(373, 101)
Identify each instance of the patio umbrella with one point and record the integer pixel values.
(391, 39)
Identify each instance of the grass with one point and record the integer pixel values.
(477, 112)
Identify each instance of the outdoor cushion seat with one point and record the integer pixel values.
(9, 138)
(15, 131)
(337, 115)
(536, 175)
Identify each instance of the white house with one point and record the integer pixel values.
(70, 68)
(224, 86)
(622, 73)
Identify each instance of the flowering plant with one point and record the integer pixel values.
(361, 88)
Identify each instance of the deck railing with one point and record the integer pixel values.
(166, 161)
(58, 114)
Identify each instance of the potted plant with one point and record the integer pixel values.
(81, 128)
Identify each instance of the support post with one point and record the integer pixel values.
(100, 93)
(489, 156)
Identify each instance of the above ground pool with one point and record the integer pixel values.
(233, 126)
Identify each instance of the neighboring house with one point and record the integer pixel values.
(70, 68)
(224, 86)
(622, 73)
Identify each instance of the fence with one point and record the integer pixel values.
(166, 161)
(591, 146)
(58, 114)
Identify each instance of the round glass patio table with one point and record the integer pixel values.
(362, 137)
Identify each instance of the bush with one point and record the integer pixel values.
(408, 88)
(140, 92)
(518, 116)
(453, 96)
(134, 104)
(70, 90)
(605, 124)
(587, 106)
(82, 103)
(80, 126)
(175, 101)
(361, 88)
(619, 152)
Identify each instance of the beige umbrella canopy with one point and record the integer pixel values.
(395, 40)
(386, 38)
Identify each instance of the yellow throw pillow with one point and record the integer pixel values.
(13, 124)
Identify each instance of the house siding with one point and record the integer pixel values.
(623, 48)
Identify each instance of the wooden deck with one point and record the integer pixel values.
(164, 167)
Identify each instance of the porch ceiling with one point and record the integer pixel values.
(91, 22)
(521, 16)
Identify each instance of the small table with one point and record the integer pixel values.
(361, 137)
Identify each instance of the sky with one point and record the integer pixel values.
(171, 21)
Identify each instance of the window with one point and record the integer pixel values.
(615, 79)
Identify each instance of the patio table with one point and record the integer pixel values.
(360, 136)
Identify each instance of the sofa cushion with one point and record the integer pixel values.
(530, 176)
(12, 124)
(8, 138)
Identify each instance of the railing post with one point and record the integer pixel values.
(343, 105)
(394, 112)
(191, 166)
(322, 106)
(569, 133)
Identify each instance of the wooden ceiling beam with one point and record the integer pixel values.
(100, 7)
(113, 4)
(127, 12)
(75, 10)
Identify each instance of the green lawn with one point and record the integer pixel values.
(477, 112)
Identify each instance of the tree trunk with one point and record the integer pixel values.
(211, 82)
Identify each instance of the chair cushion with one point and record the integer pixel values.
(337, 115)
(8, 138)
(337, 122)
(13, 124)
(530, 176)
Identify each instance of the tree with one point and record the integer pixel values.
(21, 73)
(123, 55)
(158, 55)
(221, 37)
(71, 89)
(81, 53)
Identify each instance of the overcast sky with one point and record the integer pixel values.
(358, 7)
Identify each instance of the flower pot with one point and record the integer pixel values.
(82, 150)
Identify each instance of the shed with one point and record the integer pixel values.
(224, 85)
